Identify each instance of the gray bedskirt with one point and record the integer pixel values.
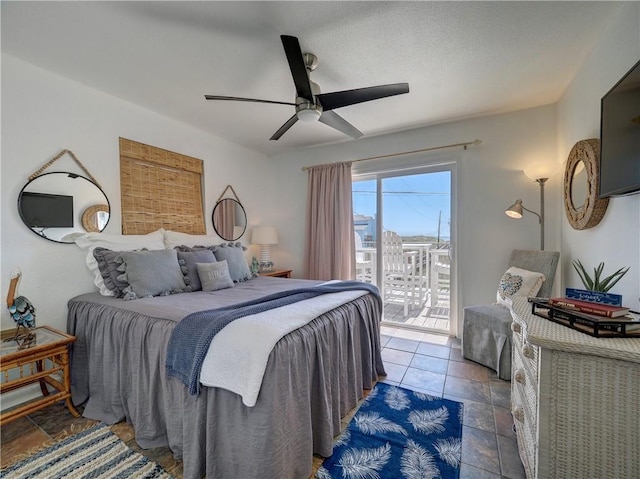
(314, 376)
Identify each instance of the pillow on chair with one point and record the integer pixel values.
(518, 282)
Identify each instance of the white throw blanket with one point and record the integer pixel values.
(237, 356)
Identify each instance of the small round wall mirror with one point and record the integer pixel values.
(581, 203)
(59, 206)
(229, 219)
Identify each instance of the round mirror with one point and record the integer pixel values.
(581, 203)
(229, 219)
(59, 206)
(579, 184)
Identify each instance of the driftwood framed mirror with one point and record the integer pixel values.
(581, 203)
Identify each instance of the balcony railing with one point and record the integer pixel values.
(417, 295)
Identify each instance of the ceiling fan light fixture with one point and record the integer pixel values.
(309, 115)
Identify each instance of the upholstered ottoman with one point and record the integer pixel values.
(486, 337)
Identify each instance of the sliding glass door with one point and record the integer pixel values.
(404, 243)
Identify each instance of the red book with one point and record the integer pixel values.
(591, 308)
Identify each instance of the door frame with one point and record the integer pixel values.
(428, 167)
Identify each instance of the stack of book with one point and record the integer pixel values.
(604, 316)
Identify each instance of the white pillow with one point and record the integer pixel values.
(90, 241)
(175, 238)
(518, 282)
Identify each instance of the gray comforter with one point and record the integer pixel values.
(314, 376)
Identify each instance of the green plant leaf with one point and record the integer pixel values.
(596, 283)
(597, 271)
(611, 280)
(584, 276)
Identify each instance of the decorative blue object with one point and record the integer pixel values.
(21, 309)
(255, 266)
(398, 433)
(594, 296)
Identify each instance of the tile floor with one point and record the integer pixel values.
(433, 363)
(420, 361)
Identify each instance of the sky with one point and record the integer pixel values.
(411, 203)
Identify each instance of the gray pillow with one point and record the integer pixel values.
(214, 276)
(108, 267)
(151, 273)
(188, 262)
(233, 253)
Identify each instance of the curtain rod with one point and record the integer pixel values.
(402, 153)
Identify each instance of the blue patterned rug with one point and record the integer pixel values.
(398, 433)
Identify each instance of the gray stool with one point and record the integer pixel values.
(486, 329)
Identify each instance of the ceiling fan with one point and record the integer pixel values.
(310, 103)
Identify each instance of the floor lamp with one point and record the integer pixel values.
(515, 210)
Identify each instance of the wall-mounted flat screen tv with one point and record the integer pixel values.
(620, 137)
(43, 210)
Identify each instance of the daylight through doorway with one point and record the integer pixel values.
(402, 224)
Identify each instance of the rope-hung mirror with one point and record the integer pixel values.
(228, 217)
(581, 203)
(61, 205)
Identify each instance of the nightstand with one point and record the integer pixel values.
(278, 273)
(43, 360)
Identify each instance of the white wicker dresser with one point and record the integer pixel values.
(575, 400)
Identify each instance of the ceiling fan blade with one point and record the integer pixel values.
(338, 99)
(253, 100)
(297, 66)
(283, 129)
(334, 120)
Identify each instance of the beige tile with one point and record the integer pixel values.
(474, 372)
(396, 356)
(19, 437)
(435, 350)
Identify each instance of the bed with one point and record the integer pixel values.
(314, 376)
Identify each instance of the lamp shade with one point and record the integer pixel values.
(515, 210)
(541, 169)
(264, 235)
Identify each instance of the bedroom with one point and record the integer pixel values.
(44, 112)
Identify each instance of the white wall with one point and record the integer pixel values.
(42, 114)
(490, 179)
(616, 240)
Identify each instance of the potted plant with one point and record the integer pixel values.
(597, 283)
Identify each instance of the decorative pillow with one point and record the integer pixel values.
(233, 253)
(188, 262)
(90, 241)
(151, 273)
(214, 276)
(175, 238)
(518, 282)
(108, 263)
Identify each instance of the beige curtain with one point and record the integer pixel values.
(330, 236)
(224, 218)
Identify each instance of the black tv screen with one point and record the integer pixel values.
(43, 210)
(620, 137)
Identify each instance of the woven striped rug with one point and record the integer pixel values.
(400, 434)
(93, 453)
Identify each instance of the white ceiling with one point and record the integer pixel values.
(461, 59)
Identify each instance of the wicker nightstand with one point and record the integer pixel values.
(43, 360)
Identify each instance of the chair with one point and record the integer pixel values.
(400, 267)
(486, 329)
(365, 262)
(439, 274)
